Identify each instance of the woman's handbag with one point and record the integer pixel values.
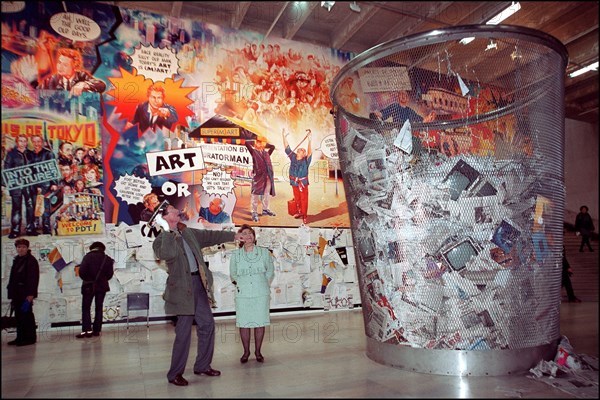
(88, 288)
(9, 320)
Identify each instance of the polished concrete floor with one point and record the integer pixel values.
(310, 355)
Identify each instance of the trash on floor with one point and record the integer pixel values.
(576, 374)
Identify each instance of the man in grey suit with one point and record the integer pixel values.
(189, 290)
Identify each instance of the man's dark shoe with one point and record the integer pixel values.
(83, 335)
(13, 342)
(268, 212)
(179, 381)
(31, 233)
(13, 235)
(95, 333)
(209, 372)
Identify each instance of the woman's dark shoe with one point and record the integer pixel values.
(260, 358)
(209, 372)
(244, 358)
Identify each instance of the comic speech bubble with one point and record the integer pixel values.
(132, 189)
(154, 63)
(217, 182)
(75, 26)
(12, 6)
(329, 147)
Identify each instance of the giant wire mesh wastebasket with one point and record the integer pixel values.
(452, 162)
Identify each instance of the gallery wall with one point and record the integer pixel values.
(224, 89)
(100, 156)
(581, 169)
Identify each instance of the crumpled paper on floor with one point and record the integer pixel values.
(576, 374)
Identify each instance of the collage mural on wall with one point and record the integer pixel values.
(108, 112)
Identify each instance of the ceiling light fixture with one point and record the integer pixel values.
(591, 67)
(327, 4)
(501, 16)
(355, 7)
(507, 12)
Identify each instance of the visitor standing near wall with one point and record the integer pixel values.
(567, 272)
(96, 269)
(189, 290)
(584, 227)
(251, 270)
(22, 289)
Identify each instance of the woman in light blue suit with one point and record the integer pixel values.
(251, 270)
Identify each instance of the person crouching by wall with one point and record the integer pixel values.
(96, 269)
(22, 289)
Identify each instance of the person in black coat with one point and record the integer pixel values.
(22, 289)
(96, 269)
(584, 225)
(566, 279)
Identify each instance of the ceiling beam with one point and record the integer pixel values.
(589, 112)
(241, 8)
(352, 24)
(176, 9)
(530, 16)
(583, 51)
(571, 24)
(275, 21)
(296, 15)
(582, 88)
(405, 27)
